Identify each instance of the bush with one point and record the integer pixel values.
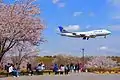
(116, 70)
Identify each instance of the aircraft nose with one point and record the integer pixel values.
(109, 32)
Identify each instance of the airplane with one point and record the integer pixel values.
(85, 35)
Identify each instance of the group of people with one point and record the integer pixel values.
(40, 68)
(15, 70)
(67, 68)
(12, 69)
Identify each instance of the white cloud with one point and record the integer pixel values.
(115, 3)
(55, 1)
(72, 27)
(61, 5)
(116, 17)
(58, 3)
(77, 13)
(103, 48)
(109, 50)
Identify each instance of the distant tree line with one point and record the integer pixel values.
(91, 61)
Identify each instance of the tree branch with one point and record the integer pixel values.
(3, 46)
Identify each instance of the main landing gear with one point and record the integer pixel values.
(104, 36)
(84, 38)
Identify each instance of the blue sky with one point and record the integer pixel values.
(80, 15)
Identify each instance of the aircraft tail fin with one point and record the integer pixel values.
(62, 30)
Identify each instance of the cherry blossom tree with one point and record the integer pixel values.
(66, 59)
(22, 52)
(101, 62)
(19, 21)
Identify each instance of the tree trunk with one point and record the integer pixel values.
(1, 56)
(1, 66)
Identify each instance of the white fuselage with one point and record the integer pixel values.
(87, 34)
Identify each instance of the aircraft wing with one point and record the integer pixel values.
(80, 35)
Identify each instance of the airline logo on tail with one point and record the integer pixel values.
(62, 30)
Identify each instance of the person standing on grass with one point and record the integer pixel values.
(29, 69)
(55, 69)
(66, 69)
(71, 67)
(62, 69)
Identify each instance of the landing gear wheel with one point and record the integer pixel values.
(104, 36)
(84, 38)
(87, 38)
